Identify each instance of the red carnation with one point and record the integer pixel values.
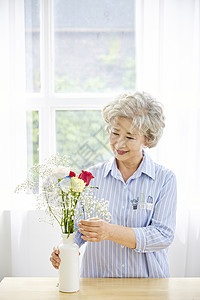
(72, 174)
(86, 177)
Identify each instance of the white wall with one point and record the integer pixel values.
(5, 245)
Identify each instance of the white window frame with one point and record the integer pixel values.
(47, 102)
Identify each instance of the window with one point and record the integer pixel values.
(79, 54)
(87, 148)
(32, 45)
(94, 46)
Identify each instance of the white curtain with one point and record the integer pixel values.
(168, 66)
(168, 39)
(12, 128)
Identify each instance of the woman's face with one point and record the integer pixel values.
(126, 144)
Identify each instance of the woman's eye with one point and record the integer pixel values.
(130, 138)
(115, 133)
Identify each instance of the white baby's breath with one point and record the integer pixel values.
(64, 203)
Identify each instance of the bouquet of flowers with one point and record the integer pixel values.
(65, 196)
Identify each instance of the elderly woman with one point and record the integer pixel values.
(141, 194)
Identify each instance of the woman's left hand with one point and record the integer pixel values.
(94, 230)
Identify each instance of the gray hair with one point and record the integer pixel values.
(145, 112)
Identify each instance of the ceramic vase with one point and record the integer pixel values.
(69, 277)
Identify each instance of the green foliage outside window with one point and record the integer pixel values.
(32, 125)
(82, 136)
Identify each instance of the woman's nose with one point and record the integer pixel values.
(121, 142)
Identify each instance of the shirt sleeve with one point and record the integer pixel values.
(160, 233)
(78, 240)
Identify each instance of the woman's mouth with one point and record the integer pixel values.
(120, 152)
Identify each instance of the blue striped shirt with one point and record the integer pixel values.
(146, 203)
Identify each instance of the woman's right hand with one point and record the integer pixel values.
(55, 259)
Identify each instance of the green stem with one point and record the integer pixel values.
(64, 213)
(53, 214)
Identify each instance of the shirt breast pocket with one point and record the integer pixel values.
(140, 216)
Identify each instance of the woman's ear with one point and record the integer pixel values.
(146, 142)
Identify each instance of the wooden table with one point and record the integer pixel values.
(19, 288)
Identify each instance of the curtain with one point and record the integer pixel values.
(12, 128)
(168, 40)
(168, 66)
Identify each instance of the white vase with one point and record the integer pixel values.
(69, 277)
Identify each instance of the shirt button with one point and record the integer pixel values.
(122, 246)
(125, 187)
(122, 265)
(123, 207)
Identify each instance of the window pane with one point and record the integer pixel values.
(94, 45)
(81, 135)
(32, 126)
(32, 45)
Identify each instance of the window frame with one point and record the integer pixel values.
(47, 102)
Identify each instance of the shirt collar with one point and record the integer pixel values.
(111, 165)
(147, 167)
